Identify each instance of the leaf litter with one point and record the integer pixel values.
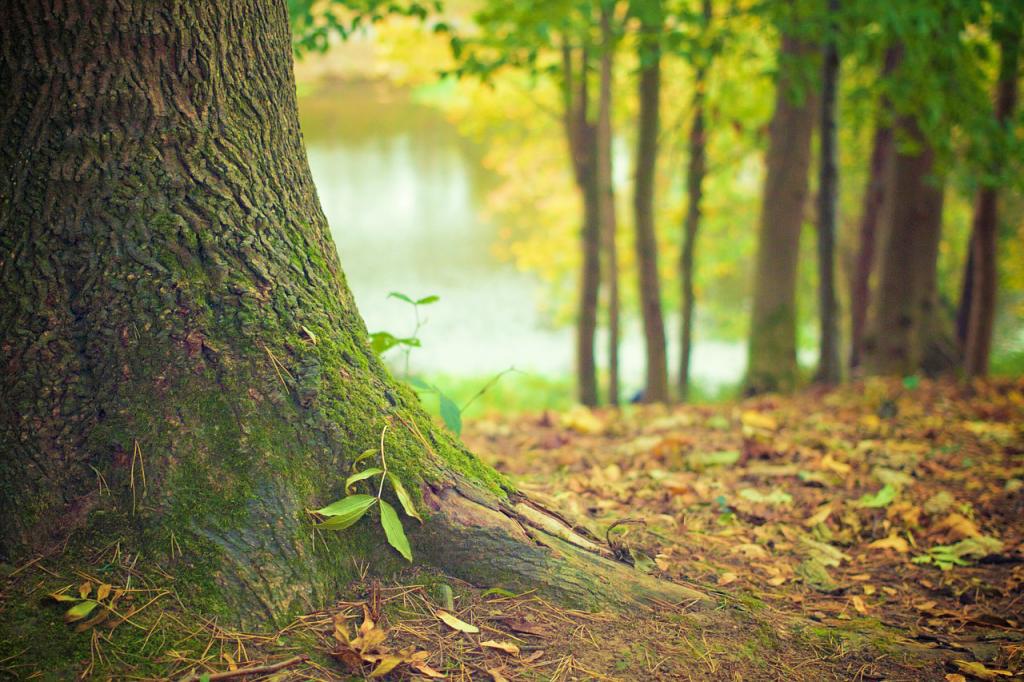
(872, 533)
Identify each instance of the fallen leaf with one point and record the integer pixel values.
(385, 665)
(980, 671)
(496, 675)
(507, 647)
(456, 624)
(859, 605)
(425, 670)
(727, 578)
(892, 542)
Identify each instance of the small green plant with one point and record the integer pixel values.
(382, 342)
(347, 511)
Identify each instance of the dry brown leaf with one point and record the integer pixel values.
(425, 670)
(84, 589)
(507, 647)
(496, 675)
(103, 592)
(456, 624)
(532, 657)
(959, 526)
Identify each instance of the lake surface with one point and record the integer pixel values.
(403, 193)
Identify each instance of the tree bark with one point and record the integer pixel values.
(581, 134)
(773, 363)
(185, 371)
(695, 172)
(656, 387)
(828, 197)
(606, 185)
(872, 211)
(906, 321)
(985, 229)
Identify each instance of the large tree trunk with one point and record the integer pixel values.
(695, 172)
(656, 387)
(185, 371)
(606, 185)
(772, 363)
(581, 134)
(875, 196)
(985, 230)
(907, 323)
(828, 197)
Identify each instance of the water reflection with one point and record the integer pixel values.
(403, 192)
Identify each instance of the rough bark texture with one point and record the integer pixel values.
(581, 134)
(185, 371)
(985, 228)
(872, 212)
(772, 361)
(695, 172)
(828, 196)
(656, 386)
(609, 224)
(906, 321)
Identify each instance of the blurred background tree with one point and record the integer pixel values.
(725, 120)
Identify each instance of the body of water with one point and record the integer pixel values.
(403, 194)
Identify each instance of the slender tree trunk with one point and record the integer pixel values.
(985, 230)
(905, 324)
(184, 369)
(581, 134)
(607, 189)
(828, 197)
(872, 211)
(772, 363)
(963, 309)
(695, 172)
(656, 388)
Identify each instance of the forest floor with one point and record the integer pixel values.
(872, 532)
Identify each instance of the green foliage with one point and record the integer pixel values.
(883, 498)
(347, 511)
(962, 553)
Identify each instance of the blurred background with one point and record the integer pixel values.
(444, 162)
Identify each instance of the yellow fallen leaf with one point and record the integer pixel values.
(859, 604)
(84, 589)
(819, 516)
(980, 671)
(727, 578)
(841, 468)
(777, 580)
(869, 589)
(456, 624)
(507, 647)
(756, 420)
(955, 677)
(386, 665)
(230, 661)
(750, 551)
(892, 542)
(102, 592)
